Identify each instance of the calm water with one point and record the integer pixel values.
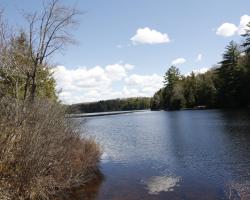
(171, 155)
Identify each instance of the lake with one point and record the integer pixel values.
(181, 155)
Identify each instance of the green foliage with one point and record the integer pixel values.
(46, 84)
(190, 88)
(225, 86)
(206, 91)
(246, 43)
(156, 102)
(228, 76)
(177, 99)
(16, 69)
(245, 70)
(171, 78)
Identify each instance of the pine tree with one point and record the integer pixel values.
(228, 75)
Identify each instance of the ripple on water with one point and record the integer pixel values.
(173, 155)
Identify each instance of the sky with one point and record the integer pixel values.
(124, 47)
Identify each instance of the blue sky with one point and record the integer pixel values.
(163, 31)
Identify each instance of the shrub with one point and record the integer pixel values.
(41, 153)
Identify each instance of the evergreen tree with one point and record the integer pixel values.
(228, 73)
(16, 68)
(190, 88)
(246, 68)
(171, 77)
(206, 90)
(246, 43)
(155, 103)
(177, 99)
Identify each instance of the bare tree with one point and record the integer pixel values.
(48, 33)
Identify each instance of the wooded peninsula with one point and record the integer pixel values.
(226, 85)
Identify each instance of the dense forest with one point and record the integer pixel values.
(139, 103)
(225, 86)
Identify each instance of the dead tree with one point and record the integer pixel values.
(48, 33)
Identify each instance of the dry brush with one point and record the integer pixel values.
(41, 153)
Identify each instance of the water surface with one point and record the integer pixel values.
(171, 155)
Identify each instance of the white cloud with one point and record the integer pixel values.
(129, 67)
(229, 29)
(199, 57)
(244, 20)
(97, 83)
(149, 36)
(147, 84)
(199, 71)
(116, 71)
(178, 61)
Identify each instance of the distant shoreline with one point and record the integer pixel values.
(99, 114)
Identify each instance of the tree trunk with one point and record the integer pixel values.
(33, 82)
(26, 87)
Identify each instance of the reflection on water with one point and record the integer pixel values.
(89, 191)
(157, 184)
(173, 155)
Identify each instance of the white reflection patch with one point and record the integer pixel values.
(157, 184)
(105, 157)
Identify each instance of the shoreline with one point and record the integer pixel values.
(103, 113)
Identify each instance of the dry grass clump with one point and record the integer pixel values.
(41, 154)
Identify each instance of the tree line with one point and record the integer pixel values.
(226, 85)
(138, 103)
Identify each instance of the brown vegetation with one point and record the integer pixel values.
(41, 154)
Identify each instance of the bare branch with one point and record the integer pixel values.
(49, 32)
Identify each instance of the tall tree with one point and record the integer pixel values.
(177, 99)
(190, 89)
(49, 32)
(206, 90)
(246, 43)
(228, 73)
(156, 101)
(172, 76)
(246, 67)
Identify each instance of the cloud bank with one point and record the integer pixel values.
(100, 83)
